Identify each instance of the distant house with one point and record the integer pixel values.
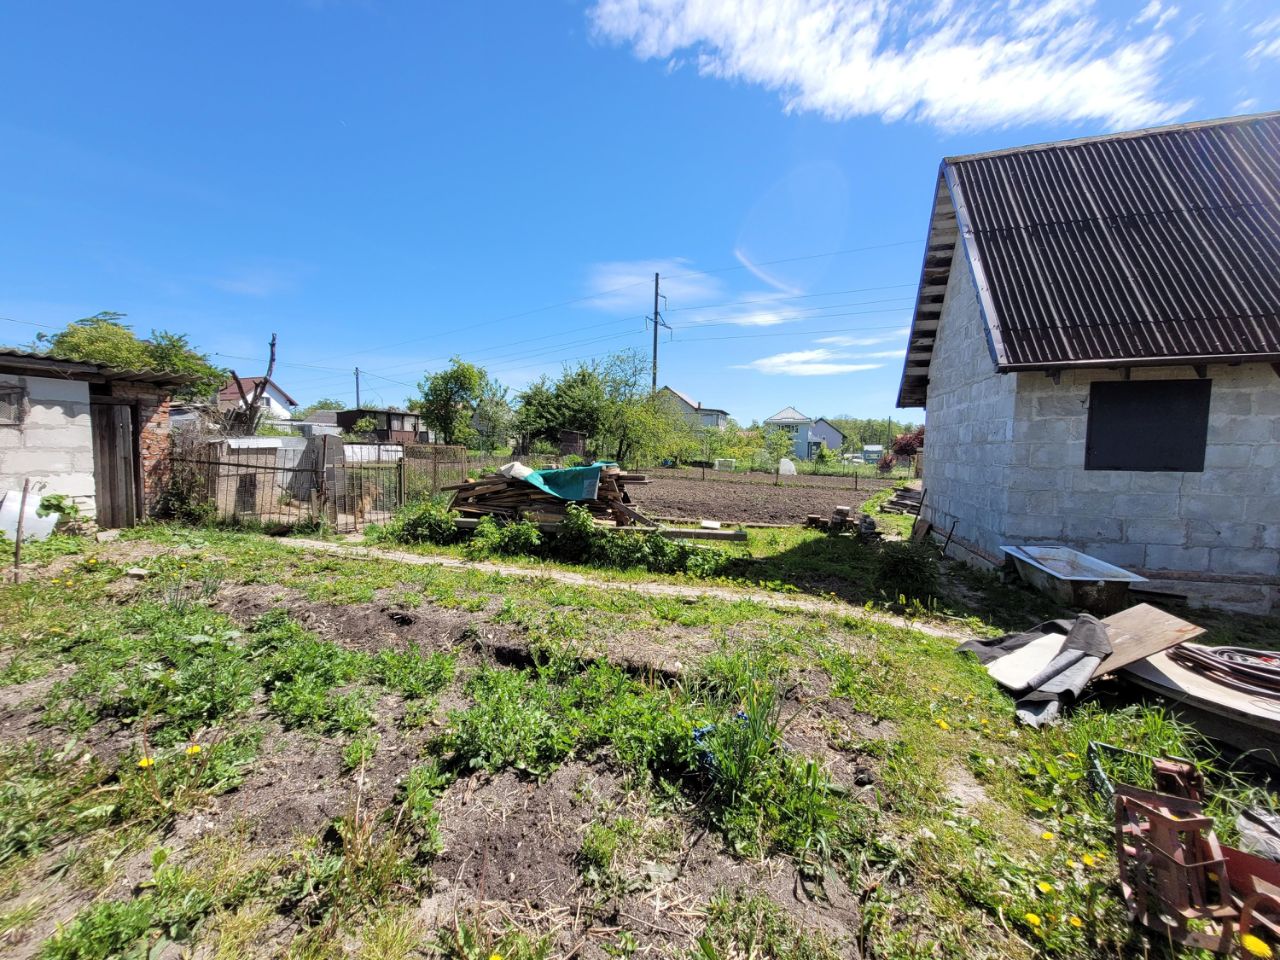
(94, 433)
(696, 413)
(1096, 342)
(389, 426)
(275, 401)
(826, 432)
(872, 452)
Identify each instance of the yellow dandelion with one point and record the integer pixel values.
(1033, 919)
(146, 762)
(985, 721)
(55, 580)
(193, 750)
(495, 956)
(942, 724)
(1256, 946)
(1072, 864)
(1047, 835)
(1044, 886)
(1075, 921)
(1073, 756)
(1088, 860)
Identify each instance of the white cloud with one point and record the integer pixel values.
(958, 64)
(1268, 45)
(808, 363)
(845, 341)
(628, 284)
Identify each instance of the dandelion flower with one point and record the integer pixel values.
(1087, 860)
(495, 956)
(55, 580)
(942, 724)
(1075, 921)
(1072, 864)
(193, 750)
(1256, 946)
(146, 762)
(1047, 835)
(1072, 756)
(1044, 886)
(985, 721)
(1033, 919)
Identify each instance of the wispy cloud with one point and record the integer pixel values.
(962, 64)
(1268, 40)
(811, 363)
(846, 341)
(628, 284)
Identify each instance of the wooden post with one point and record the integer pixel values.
(17, 537)
(400, 468)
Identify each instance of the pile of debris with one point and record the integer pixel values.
(907, 500)
(842, 521)
(511, 496)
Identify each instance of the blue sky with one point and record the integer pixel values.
(386, 184)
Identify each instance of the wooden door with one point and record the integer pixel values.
(115, 471)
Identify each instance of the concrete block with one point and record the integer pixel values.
(1043, 431)
(1042, 502)
(1055, 454)
(38, 461)
(1099, 481)
(1157, 481)
(1262, 509)
(1093, 529)
(1033, 527)
(1060, 403)
(1072, 503)
(1164, 557)
(1170, 532)
(1034, 478)
(1270, 537)
(1137, 506)
(1224, 533)
(1265, 456)
(1232, 560)
(1215, 507)
(1225, 401)
(1242, 429)
(1266, 402)
(1129, 556)
(1231, 456)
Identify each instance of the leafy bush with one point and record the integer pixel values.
(491, 537)
(906, 570)
(579, 540)
(428, 521)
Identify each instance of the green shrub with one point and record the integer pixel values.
(428, 521)
(906, 570)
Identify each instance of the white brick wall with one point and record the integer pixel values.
(53, 446)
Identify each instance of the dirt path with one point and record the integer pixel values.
(730, 594)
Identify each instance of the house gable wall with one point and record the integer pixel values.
(970, 425)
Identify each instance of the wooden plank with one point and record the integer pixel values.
(1141, 631)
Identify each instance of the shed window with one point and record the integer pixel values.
(11, 406)
(1150, 425)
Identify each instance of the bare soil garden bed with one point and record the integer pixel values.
(749, 498)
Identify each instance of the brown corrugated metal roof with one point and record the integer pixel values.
(13, 360)
(1155, 246)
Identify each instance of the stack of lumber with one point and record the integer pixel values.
(906, 500)
(511, 499)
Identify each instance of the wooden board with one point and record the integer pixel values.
(1245, 721)
(1141, 631)
(116, 482)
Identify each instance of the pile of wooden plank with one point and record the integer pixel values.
(906, 500)
(511, 499)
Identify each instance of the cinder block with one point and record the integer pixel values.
(1164, 557)
(1225, 533)
(1129, 556)
(1261, 509)
(1215, 507)
(1072, 503)
(1242, 429)
(1092, 529)
(1156, 481)
(1171, 532)
(1034, 478)
(1060, 403)
(1034, 527)
(1231, 560)
(1225, 401)
(1099, 481)
(1139, 506)
(1220, 456)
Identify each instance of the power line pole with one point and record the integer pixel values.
(357, 388)
(655, 332)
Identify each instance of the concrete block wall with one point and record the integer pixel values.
(53, 446)
(970, 425)
(1222, 522)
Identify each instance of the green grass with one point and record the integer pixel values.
(936, 874)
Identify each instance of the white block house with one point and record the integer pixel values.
(1096, 342)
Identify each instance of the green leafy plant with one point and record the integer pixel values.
(906, 570)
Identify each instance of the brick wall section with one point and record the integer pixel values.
(153, 437)
(970, 424)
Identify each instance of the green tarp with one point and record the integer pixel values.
(569, 483)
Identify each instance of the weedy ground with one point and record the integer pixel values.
(256, 751)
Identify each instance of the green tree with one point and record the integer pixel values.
(493, 416)
(327, 403)
(448, 399)
(778, 443)
(102, 338)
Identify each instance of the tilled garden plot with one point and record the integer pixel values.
(735, 499)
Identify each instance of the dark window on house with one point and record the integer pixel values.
(1147, 425)
(11, 405)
